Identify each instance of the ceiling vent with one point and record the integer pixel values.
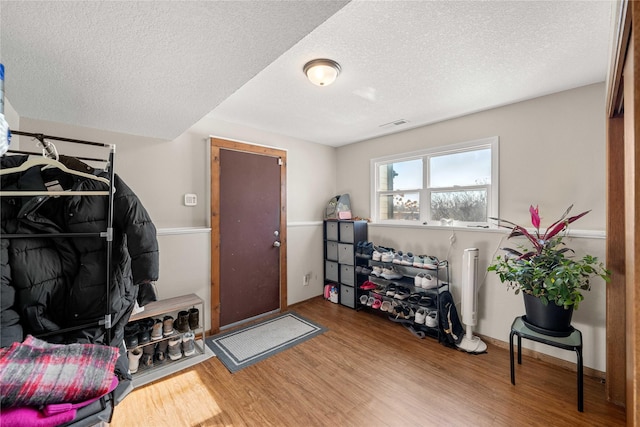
(394, 123)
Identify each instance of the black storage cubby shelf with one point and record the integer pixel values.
(341, 238)
(441, 277)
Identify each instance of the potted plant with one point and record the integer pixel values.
(547, 274)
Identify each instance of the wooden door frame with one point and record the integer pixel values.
(623, 216)
(216, 145)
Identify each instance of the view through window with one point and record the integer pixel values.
(453, 185)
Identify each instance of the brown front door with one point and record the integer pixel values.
(248, 239)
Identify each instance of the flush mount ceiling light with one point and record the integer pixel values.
(321, 72)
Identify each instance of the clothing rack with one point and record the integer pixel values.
(107, 234)
(96, 411)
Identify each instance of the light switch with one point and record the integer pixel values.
(190, 200)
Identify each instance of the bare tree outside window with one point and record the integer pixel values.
(468, 206)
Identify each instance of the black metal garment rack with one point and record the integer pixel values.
(93, 413)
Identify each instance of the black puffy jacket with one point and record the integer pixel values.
(60, 282)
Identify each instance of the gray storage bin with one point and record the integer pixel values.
(345, 253)
(332, 230)
(346, 232)
(348, 296)
(331, 271)
(332, 251)
(347, 274)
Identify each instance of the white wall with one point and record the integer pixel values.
(552, 153)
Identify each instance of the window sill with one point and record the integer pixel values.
(584, 234)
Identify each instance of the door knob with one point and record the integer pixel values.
(276, 244)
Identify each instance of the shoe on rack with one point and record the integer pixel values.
(421, 315)
(182, 322)
(359, 249)
(386, 306)
(376, 270)
(167, 326)
(387, 256)
(134, 359)
(156, 331)
(415, 298)
(366, 270)
(429, 281)
(407, 259)
(194, 318)
(363, 299)
(431, 262)
(144, 336)
(418, 280)
(402, 293)
(432, 319)
(161, 352)
(397, 258)
(364, 250)
(131, 331)
(380, 290)
(391, 289)
(174, 350)
(188, 344)
(367, 250)
(147, 355)
(418, 261)
(367, 286)
(391, 273)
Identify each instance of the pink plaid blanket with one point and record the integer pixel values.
(36, 373)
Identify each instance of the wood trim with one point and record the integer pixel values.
(632, 216)
(623, 205)
(615, 249)
(283, 233)
(215, 238)
(621, 40)
(216, 145)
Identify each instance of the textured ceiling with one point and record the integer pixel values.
(156, 68)
(149, 68)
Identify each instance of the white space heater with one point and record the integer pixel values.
(470, 343)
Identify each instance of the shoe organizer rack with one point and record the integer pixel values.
(161, 310)
(400, 298)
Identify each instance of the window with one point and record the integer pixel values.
(453, 185)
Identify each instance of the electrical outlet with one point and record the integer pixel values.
(306, 279)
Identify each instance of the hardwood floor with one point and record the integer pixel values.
(368, 371)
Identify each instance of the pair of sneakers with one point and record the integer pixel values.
(391, 273)
(380, 253)
(182, 344)
(403, 259)
(364, 250)
(427, 318)
(427, 261)
(425, 281)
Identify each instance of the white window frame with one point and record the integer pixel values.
(493, 204)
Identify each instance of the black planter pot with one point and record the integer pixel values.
(549, 319)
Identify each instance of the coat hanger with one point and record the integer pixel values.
(46, 161)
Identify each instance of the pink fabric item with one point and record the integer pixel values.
(29, 417)
(57, 408)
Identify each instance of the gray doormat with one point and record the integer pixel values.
(251, 344)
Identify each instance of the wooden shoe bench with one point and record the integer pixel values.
(171, 307)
